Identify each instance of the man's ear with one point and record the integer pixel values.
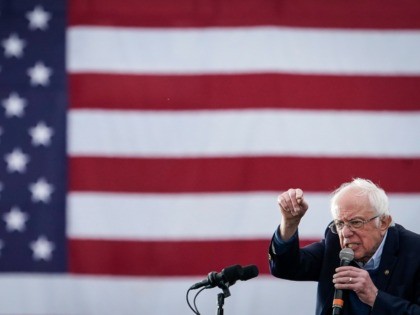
(385, 222)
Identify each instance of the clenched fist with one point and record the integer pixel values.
(293, 207)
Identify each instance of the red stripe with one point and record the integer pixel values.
(382, 14)
(238, 174)
(131, 92)
(165, 258)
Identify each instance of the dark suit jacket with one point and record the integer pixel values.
(398, 278)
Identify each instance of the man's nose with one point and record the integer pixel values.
(346, 231)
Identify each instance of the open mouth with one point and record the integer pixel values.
(351, 245)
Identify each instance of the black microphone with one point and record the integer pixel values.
(346, 256)
(227, 277)
(249, 272)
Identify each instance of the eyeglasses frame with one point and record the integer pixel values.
(335, 230)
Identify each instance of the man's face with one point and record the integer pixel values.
(365, 240)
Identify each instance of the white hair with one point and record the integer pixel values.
(376, 195)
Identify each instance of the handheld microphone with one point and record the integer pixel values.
(346, 256)
(227, 277)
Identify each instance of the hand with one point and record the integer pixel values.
(358, 280)
(292, 205)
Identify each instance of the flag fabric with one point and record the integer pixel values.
(32, 138)
(143, 144)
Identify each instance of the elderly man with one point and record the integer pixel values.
(383, 278)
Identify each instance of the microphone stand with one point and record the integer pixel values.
(221, 297)
(220, 302)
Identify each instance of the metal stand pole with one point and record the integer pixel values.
(220, 303)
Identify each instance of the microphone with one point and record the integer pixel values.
(249, 272)
(346, 256)
(227, 277)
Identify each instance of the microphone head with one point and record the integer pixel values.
(249, 272)
(232, 273)
(346, 254)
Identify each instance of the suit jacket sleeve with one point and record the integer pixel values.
(387, 304)
(297, 264)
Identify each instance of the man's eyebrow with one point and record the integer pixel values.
(352, 219)
(357, 218)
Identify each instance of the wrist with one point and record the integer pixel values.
(290, 223)
(287, 229)
(374, 298)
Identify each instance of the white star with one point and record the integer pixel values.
(16, 161)
(41, 191)
(13, 46)
(14, 105)
(15, 220)
(39, 74)
(41, 134)
(42, 248)
(38, 18)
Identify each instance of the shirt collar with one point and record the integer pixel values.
(374, 261)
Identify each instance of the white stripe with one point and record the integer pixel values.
(204, 216)
(247, 49)
(25, 294)
(244, 133)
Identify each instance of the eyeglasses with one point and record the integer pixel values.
(355, 224)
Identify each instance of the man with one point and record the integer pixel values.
(384, 277)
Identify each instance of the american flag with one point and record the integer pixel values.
(143, 144)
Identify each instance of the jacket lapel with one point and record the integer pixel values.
(388, 259)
